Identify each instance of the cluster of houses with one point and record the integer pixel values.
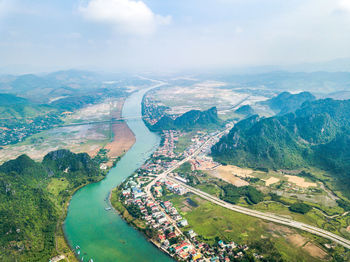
(199, 139)
(165, 220)
(151, 111)
(173, 187)
(163, 217)
(155, 166)
(14, 131)
(172, 233)
(169, 140)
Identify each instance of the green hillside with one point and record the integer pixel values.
(29, 211)
(317, 135)
(189, 120)
(8, 99)
(245, 111)
(286, 102)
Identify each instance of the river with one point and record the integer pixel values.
(104, 235)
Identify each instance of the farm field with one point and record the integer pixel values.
(117, 138)
(279, 194)
(202, 95)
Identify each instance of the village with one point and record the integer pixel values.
(172, 233)
(162, 217)
(13, 131)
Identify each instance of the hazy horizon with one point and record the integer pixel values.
(150, 35)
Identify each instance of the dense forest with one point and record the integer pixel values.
(232, 194)
(29, 211)
(245, 111)
(317, 134)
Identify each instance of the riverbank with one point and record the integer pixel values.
(111, 238)
(122, 136)
(138, 224)
(123, 140)
(61, 242)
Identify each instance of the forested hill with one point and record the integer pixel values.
(317, 134)
(30, 205)
(245, 111)
(189, 120)
(8, 99)
(286, 102)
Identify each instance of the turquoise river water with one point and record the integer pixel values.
(104, 235)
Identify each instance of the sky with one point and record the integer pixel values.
(156, 35)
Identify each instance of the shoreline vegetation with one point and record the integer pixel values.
(60, 224)
(34, 230)
(118, 206)
(112, 162)
(123, 140)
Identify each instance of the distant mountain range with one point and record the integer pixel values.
(189, 120)
(317, 82)
(45, 87)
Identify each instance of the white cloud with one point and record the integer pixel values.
(127, 16)
(344, 5)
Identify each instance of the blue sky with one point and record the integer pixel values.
(41, 35)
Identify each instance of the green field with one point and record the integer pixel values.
(212, 222)
(183, 142)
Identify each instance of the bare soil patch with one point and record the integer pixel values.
(123, 137)
(300, 181)
(296, 240)
(185, 209)
(271, 180)
(314, 250)
(235, 170)
(123, 140)
(280, 230)
(232, 174)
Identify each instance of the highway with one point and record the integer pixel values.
(266, 216)
(262, 215)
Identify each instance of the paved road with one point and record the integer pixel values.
(267, 216)
(171, 169)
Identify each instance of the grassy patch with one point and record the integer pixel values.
(183, 142)
(211, 222)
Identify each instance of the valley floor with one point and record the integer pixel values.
(117, 138)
